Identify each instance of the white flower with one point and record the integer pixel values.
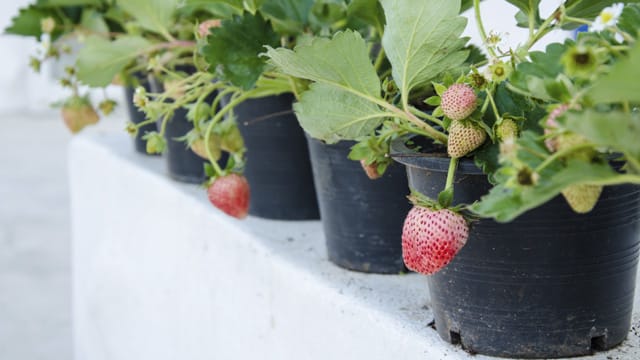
(608, 17)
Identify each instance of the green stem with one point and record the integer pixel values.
(494, 107)
(451, 174)
(558, 154)
(576, 20)
(294, 87)
(146, 122)
(219, 115)
(432, 133)
(483, 33)
(167, 35)
(423, 114)
(379, 59)
(542, 30)
(532, 19)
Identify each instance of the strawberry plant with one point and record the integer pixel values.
(230, 70)
(57, 26)
(498, 108)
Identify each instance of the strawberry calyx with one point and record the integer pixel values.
(421, 200)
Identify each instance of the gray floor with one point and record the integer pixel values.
(34, 239)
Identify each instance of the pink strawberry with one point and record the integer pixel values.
(204, 27)
(551, 124)
(458, 101)
(370, 169)
(464, 138)
(230, 193)
(431, 238)
(77, 113)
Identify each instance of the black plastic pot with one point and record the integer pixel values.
(278, 167)
(182, 164)
(136, 116)
(362, 218)
(551, 283)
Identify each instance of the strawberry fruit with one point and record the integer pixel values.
(370, 169)
(464, 138)
(432, 238)
(230, 193)
(582, 197)
(458, 101)
(199, 148)
(77, 113)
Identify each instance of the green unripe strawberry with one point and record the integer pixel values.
(199, 148)
(77, 113)
(232, 140)
(464, 138)
(508, 129)
(155, 143)
(583, 197)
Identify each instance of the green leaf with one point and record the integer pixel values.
(27, 22)
(93, 20)
(422, 40)
(252, 6)
(536, 76)
(512, 197)
(56, 3)
(613, 129)
(100, 59)
(288, 17)
(589, 9)
(341, 62)
(629, 20)
(526, 6)
(220, 9)
(332, 114)
(367, 11)
(342, 105)
(621, 84)
(505, 204)
(233, 49)
(153, 15)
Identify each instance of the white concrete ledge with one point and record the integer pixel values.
(160, 274)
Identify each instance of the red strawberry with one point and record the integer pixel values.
(230, 193)
(458, 101)
(464, 138)
(77, 113)
(431, 238)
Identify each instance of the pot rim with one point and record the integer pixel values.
(433, 160)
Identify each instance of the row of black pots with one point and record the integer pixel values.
(552, 283)
(281, 167)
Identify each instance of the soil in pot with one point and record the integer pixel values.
(362, 218)
(551, 283)
(136, 116)
(278, 166)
